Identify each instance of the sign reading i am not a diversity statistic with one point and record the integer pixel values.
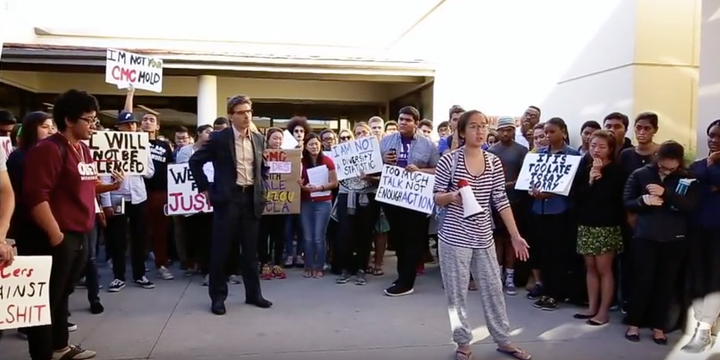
(410, 190)
(122, 151)
(283, 190)
(183, 196)
(24, 292)
(126, 69)
(552, 173)
(354, 158)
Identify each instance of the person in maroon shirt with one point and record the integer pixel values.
(59, 191)
(315, 206)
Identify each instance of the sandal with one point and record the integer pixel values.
(461, 355)
(593, 322)
(472, 286)
(378, 271)
(517, 353)
(308, 274)
(318, 274)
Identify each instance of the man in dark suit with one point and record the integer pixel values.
(238, 198)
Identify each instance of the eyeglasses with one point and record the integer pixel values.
(345, 138)
(327, 139)
(89, 120)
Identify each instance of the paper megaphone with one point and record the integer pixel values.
(470, 204)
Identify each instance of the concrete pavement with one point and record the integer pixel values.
(318, 319)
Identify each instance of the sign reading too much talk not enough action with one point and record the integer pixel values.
(410, 190)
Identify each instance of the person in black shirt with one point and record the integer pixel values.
(663, 196)
(618, 123)
(586, 131)
(631, 159)
(597, 190)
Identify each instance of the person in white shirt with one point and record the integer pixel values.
(131, 197)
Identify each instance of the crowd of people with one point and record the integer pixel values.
(635, 218)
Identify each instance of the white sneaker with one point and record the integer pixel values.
(206, 280)
(234, 279)
(164, 273)
(74, 352)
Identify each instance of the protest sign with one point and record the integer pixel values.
(283, 190)
(183, 197)
(126, 69)
(120, 151)
(410, 190)
(6, 145)
(24, 292)
(355, 157)
(552, 173)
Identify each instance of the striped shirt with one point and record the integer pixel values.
(475, 232)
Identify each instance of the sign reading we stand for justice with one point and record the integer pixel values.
(6, 145)
(410, 190)
(183, 197)
(142, 72)
(24, 292)
(283, 190)
(552, 173)
(354, 158)
(122, 151)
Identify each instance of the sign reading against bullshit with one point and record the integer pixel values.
(126, 69)
(24, 292)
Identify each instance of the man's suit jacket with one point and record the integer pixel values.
(220, 151)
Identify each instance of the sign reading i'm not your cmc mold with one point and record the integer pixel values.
(126, 69)
(123, 151)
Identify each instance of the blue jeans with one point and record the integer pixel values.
(315, 217)
(293, 228)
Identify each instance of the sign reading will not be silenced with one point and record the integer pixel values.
(123, 151)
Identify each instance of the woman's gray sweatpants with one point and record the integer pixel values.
(456, 264)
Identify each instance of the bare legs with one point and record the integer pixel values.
(600, 286)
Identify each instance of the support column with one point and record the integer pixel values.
(206, 100)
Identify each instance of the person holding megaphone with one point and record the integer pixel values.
(468, 181)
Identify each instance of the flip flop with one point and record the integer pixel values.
(517, 353)
(593, 322)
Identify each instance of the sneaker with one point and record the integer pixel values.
(510, 287)
(72, 327)
(360, 278)
(82, 284)
(234, 279)
(206, 280)
(549, 305)
(343, 278)
(164, 273)
(420, 270)
(116, 285)
(73, 352)
(144, 283)
(288, 262)
(536, 292)
(266, 273)
(299, 262)
(539, 303)
(278, 273)
(397, 290)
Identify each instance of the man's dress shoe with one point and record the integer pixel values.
(260, 302)
(218, 308)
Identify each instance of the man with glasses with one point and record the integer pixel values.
(329, 139)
